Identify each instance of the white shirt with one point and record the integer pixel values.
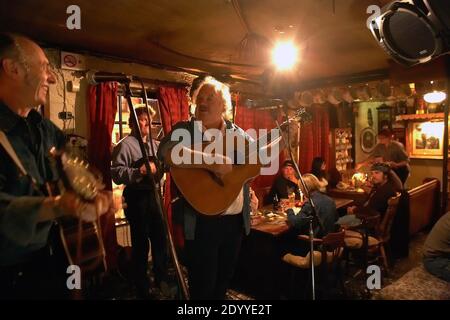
(238, 203)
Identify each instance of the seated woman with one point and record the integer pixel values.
(326, 212)
(285, 183)
(318, 169)
(325, 207)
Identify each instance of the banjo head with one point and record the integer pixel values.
(82, 179)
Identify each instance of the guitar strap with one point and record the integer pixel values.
(12, 154)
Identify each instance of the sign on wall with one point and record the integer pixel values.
(72, 61)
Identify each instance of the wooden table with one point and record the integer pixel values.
(276, 224)
(260, 272)
(357, 196)
(342, 202)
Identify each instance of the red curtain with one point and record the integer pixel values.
(174, 107)
(102, 109)
(314, 138)
(247, 118)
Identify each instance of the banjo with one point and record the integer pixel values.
(82, 238)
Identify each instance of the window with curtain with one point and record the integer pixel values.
(121, 128)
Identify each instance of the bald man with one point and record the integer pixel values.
(28, 266)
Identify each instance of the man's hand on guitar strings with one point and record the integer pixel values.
(221, 170)
(143, 168)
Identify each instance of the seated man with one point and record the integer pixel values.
(285, 183)
(382, 186)
(436, 255)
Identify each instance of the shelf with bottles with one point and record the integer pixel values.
(342, 148)
(420, 117)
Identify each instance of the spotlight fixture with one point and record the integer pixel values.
(285, 55)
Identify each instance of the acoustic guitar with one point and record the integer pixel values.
(82, 241)
(211, 195)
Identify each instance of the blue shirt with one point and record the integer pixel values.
(125, 156)
(32, 138)
(326, 212)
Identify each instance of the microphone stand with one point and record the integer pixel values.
(183, 292)
(314, 216)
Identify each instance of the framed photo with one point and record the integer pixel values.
(134, 100)
(125, 108)
(368, 140)
(155, 105)
(426, 140)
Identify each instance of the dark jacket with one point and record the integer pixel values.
(326, 212)
(32, 138)
(280, 188)
(378, 200)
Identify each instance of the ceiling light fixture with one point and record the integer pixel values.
(284, 55)
(434, 96)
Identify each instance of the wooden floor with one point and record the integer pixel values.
(118, 286)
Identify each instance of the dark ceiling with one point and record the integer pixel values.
(208, 35)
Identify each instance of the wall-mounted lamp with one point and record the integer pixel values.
(434, 96)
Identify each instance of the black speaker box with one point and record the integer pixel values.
(414, 31)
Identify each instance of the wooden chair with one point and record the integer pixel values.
(373, 235)
(384, 228)
(327, 259)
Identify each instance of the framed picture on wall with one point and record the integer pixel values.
(368, 139)
(155, 105)
(426, 140)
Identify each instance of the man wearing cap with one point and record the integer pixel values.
(285, 183)
(384, 185)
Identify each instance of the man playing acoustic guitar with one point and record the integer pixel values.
(212, 243)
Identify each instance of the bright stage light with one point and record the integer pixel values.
(285, 55)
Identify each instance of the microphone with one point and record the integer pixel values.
(95, 77)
